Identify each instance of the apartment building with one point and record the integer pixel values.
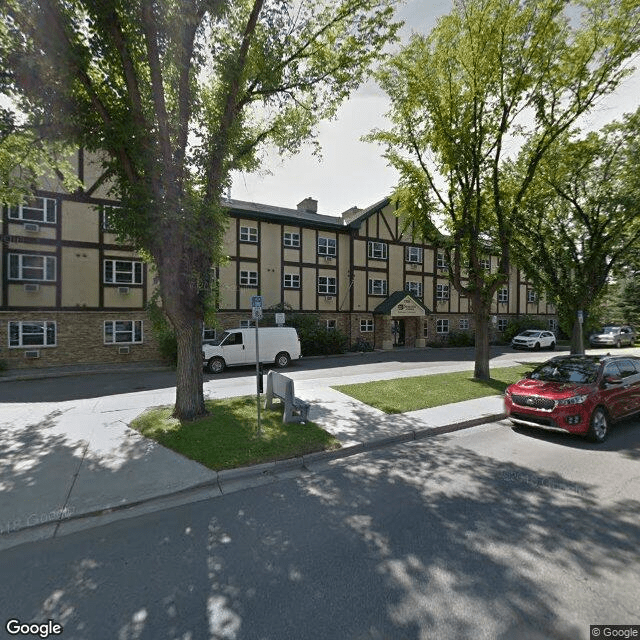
(71, 293)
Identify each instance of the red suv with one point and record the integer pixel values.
(578, 394)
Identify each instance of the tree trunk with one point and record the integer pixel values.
(577, 341)
(481, 317)
(189, 393)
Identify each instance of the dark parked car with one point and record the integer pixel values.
(613, 336)
(578, 394)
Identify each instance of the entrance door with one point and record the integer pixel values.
(398, 332)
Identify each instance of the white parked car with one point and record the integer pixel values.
(235, 347)
(535, 339)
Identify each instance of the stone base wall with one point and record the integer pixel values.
(79, 338)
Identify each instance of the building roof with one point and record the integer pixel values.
(385, 308)
(351, 219)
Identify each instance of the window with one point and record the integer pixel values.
(502, 324)
(208, 333)
(413, 254)
(326, 246)
(108, 213)
(331, 325)
(378, 250)
(532, 296)
(244, 324)
(442, 292)
(29, 267)
(249, 278)
(36, 210)
(291, 239)
(442, 326)
(485, 263)
(122, 331)
(291, 281)
(366, 326)
(248, 234)
(326, 286)
(441, 261)
(32, 334)
(463, 324)
(122, 272)
(503, 295)
(553, 325)
(377, 287)
(414, 288)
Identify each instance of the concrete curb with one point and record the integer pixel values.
(232, 480)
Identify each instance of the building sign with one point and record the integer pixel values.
(407, 307)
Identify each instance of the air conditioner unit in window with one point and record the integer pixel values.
(31, 287)
(123, 290)
(328, 258)
(31, 226)
(123, 350)
(31, 355)
(328, 297)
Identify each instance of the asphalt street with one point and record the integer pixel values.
(490, 533)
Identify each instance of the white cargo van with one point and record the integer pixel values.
(238, 346)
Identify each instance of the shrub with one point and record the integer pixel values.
(4, 365)
(316, 340)
(461, 339)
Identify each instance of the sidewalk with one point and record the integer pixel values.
(76, 464)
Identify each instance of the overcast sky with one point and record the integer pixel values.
(352, 172)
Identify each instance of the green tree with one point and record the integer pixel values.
(176, 95)
(582, 220)
(491, 75)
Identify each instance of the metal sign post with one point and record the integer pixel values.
(256, 312)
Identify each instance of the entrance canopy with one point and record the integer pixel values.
(401, 304)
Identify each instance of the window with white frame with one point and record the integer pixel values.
(326, 246)
(463, 324)
(42, 210)
(532, 296)
(366, 326)
(442, 292)
(291, 280)
(442, 325)
(248, 234)
(503, 295)
(441, 261)
(248, 278)
(123, 331)
(377, 287)
(122, 272)
(502, 324)
(32, 333)
(209, 333)
(330, 324)
(291, 239)
(245, 324)
(413, 254)
(326, 285)
(485, 263)
(109, 212)
(378, 250)
(30, 267)
(425, 330)
(414, 288)
(553, 325)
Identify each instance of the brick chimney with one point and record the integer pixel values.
(308, 205)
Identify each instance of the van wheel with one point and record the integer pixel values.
(215, 365)
(282, 360)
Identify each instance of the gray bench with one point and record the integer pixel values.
(281, 387)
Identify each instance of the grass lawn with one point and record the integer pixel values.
(423, 392)
(227, 438)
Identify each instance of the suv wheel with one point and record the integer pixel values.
(598, 425)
